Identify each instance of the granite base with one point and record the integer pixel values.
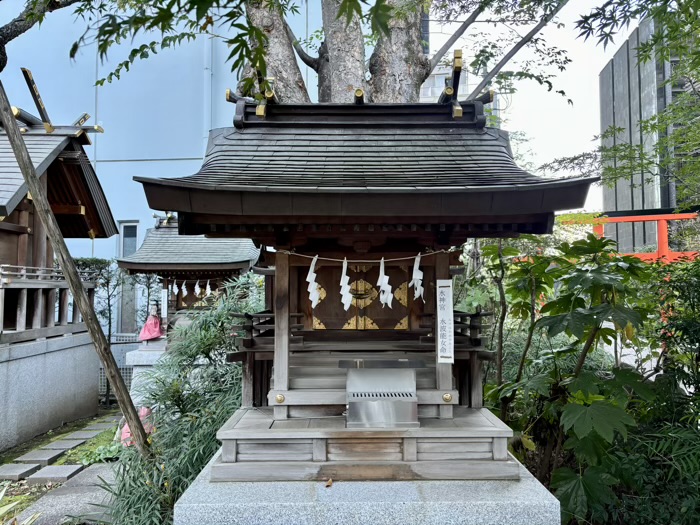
(523, 502)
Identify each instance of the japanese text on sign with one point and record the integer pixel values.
(445, 322)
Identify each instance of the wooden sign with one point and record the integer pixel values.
(445, 322)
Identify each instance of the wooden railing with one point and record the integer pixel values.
(41, 301)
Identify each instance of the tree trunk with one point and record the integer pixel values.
(342, 69)
(279, 54)
(398, 65)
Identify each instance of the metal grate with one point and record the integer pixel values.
(126, 372)
(381, 395)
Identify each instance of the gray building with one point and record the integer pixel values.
(631, 92)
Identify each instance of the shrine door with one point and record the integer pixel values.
(366, 311)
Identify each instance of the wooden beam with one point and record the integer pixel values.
(26, 117)
(34, 90)
(13, 228)
(42, 209)
(443, 371)
(68, 209)
(281, 302)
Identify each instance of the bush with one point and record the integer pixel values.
(193, 391)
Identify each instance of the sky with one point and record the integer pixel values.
(554, 127)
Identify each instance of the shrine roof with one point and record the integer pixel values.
(340, 163)
(164, 249)
(59, 152)
(367, 148)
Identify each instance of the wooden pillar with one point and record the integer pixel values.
(281, 304)
(2, 309)
(476, 388)
(443, 371)
(22, 253)
(76, 313)
(39, 260)
(51, 293)
(247, 383)
(63, 307)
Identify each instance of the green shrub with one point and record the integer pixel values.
(193, 391)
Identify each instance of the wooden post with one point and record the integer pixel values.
(43, 209)
(76, 313)
(476, 388)
(2, 309)
(22, 252)
(50, 294)
(281, 330)
(39, 260)
(443, 371)
(63, 307)
(247, 382)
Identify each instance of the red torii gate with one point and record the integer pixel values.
(663, 251)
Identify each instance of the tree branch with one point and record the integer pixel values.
(507, 58)
(455, 36)
(27, 19)
(305, 57)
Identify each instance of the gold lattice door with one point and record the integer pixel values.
(366, 312)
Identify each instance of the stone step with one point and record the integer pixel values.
(40, 456)
(101, 426)
(83, 434)
(17, 471)
(54, 474)
(64, 444)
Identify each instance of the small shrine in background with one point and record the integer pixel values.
(362, 369)
(189, 268)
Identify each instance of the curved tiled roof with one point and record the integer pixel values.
(163, 247)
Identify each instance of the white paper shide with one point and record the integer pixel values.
(445, 322)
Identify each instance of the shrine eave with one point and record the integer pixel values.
(532, 205)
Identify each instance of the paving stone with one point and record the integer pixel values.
(64, 444)
(54, 474)
(116, 418)
(84, 434)
(102, 426)
(41, 456)
(17, 471)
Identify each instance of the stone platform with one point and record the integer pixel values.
(256, 447)
(521, 502)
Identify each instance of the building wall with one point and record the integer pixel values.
(629, 94)
(44, 384)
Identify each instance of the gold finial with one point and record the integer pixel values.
(456, 110)
(261, 110)
(279, 398)
(15, 111)
(22, 130)
(447, 397)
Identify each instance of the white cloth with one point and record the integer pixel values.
(314, 294)
(417, 280)
(345, 295)
(385, 294)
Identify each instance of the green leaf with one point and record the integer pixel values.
(601, 416)
(578, 493)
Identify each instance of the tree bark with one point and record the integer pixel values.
(342, 69)
(398, 65)
(279, 54)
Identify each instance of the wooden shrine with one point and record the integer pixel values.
(188, 267)
(361, 394)
(34, 296)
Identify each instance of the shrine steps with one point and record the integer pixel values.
(255, 447)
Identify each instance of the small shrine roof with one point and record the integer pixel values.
(164, 249)
(309, 163)
(72, 181)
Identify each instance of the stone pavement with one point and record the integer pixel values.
(24, 466)
(78, 497)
